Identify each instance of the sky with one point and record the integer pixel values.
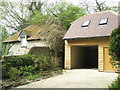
(76, 2)
(91, 3)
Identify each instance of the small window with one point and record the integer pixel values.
(103, 21)
(85, 24)
(22, 34)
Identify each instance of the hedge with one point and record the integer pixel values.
(22, 65)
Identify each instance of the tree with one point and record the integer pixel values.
(97, 6)
(66, 13)
(4, 47)
(55, 22)
(18, 14)
(114, 46)
(59, 19)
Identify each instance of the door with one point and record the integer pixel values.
(107, 65)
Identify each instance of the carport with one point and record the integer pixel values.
(84, 57)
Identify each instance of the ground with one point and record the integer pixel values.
(76, 78)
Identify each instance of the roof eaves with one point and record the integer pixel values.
(84, 37)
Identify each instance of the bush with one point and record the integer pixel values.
(114, 49)
(15, 62)
(115, 84)
(14, 73)
(56, 63)
(27, 70)
(23, 65)
(41, 62)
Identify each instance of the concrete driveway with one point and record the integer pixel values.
(76, 78)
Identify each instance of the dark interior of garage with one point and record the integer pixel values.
(84, 57)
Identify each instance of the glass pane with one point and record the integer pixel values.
(85, 24)
(103, 21)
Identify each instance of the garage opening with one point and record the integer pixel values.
(84, 57)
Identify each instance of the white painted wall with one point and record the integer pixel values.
(23, 41)
(16, 49)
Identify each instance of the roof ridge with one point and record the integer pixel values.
(103, 12)
(97, 13)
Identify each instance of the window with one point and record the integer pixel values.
(22, 34)
(85, 23)
(103, 21)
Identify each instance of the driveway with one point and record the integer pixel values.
(76, 78)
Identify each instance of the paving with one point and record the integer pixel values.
(76, 78)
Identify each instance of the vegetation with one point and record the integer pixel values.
(15, 66)
(115, 84)
(55, 18)
(30, 67)
(114, 51)
(114, 47)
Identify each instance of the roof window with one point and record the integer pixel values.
(85, 23)
(103, 21)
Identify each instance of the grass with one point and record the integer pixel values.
(115, 85)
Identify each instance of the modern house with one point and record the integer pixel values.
(25, 40)
(87, 41)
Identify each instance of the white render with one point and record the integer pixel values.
(23, 41)
(17, 49)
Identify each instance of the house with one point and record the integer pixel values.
(26, 40)
(87, 41)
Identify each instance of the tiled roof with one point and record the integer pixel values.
(94, 29)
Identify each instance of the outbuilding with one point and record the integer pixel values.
(87, 41)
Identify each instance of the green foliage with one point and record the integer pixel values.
(115, 85)
(25, 65)
(66, 13)
(32, 77)
(14, 73)
(38, 18)
(41, 62)
(4, 47)
(56, 63)
(16, 62)
(27, 70)
(114, 45)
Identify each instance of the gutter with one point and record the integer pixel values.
(84, 38)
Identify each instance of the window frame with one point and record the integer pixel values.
(103, 23)
(87, 24)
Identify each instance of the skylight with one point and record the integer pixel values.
(103, 21)
(85, 23)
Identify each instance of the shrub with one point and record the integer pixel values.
(56, 63)
(114, 49)
(15, 62)
(24, 65)
(115, 84)
(14, 73)
(27, 70)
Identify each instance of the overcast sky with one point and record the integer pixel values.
(77, 2)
